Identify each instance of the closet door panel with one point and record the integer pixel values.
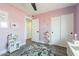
(55, 30)
(67, 27)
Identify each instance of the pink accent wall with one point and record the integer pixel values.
(77, 21)
(45, 18)
(15, 16)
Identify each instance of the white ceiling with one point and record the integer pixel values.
(41, 7)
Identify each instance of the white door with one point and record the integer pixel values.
(35, 30)
(55, 30)
(67, 29)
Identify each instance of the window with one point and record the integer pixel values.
(3, 19)
(3, 24)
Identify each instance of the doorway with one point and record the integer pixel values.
(32, 29)
(29, 28)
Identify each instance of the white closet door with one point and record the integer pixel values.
(35, 30)
(55, 30)
(67, 28)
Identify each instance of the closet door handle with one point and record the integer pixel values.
(71, 32)
(52, 32)
(37, 31)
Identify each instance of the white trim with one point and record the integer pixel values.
(27, 18)
(21, 44)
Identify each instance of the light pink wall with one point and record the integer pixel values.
(77, 21)
(15, 16)
(45, 18)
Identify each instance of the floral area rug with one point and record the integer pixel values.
(37, 50)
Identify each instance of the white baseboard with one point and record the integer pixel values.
(21, 44)
(39, 41)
